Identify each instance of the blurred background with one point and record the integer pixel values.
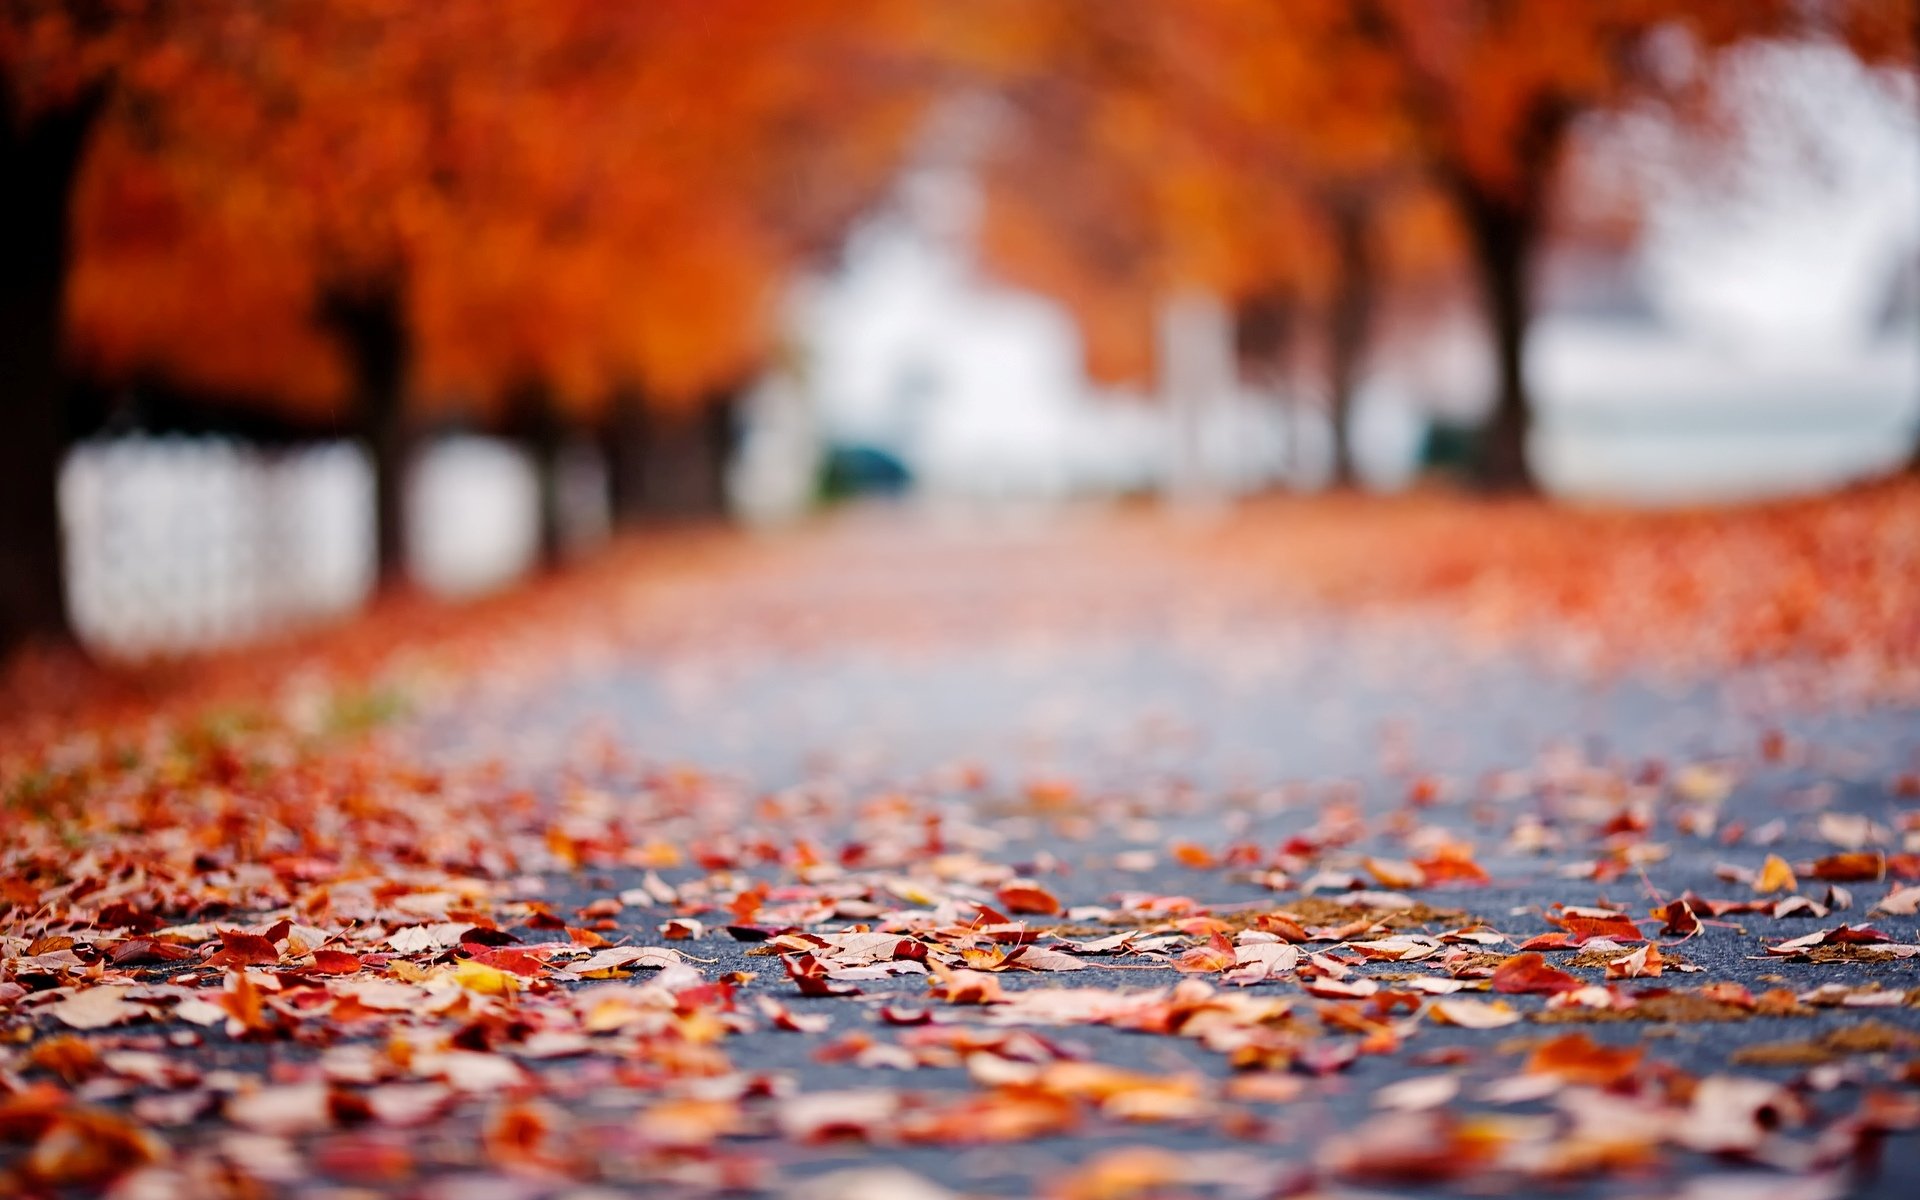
(308, 300)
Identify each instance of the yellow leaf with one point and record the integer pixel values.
(488, 981)
(1775, 876)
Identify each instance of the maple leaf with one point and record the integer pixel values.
(1840, 935)
(1679, 919)
(1585, 924)
(1026, 896)
(1775, 876)
(1041, 958)
(810, 975)
(333, 962)
(1529, 973)
(1216, 955)
(239, 949)
(1260, 961)
(606, 963)
(1640, 964)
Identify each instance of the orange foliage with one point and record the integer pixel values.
(583, 194)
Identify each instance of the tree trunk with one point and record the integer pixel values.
(626, 441)
(368, 322)
(1347, 325)
(39, 160)
(670, 464)
(538, 423)
(1263, 342)
(1503, 237)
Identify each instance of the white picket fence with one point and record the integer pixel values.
(181, 544)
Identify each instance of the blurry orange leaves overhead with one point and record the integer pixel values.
(590, 195)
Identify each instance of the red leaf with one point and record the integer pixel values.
(1025, 896)
(146, 950)
(334, 962)
(1525, 974)
(244, 950)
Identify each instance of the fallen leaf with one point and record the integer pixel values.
(95, 1008)
(1528, 973)
(1474, 1014)
(1775, 876)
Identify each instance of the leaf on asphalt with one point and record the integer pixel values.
(1026, 896)
(1860, 866)
(1900, 902)
(1641, 964)
(1042, 958)
(1577, 1058)
(602, 964)
(1775, 876)
(1528, 973)
(1261, 961)
(488, 981)
(94, 1008)
(1840, 935)
(965, 987)
(1474, 1014)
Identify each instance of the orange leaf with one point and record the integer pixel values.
(1026, 896)
(1577, 1058)
(243, 950)
(1775, 876)
(1529, 974)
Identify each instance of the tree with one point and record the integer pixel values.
(38, 156)
(1243, 148)
(1493, 91)
(373, 213)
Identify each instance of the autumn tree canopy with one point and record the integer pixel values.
(574, 191)
(1252, 148)
(353, 212)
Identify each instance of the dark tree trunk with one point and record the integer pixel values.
(370, 326)
(1503, 235)
(1505, 227)
(39, 160)
(1347, 326)
(1264, 327)
(626, 440)
(670, 464)
(537, 422)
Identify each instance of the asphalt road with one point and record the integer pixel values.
(1184, 723)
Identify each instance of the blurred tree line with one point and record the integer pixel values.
(1305, 159)
(366, 217)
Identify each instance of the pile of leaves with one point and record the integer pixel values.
(295, 946)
